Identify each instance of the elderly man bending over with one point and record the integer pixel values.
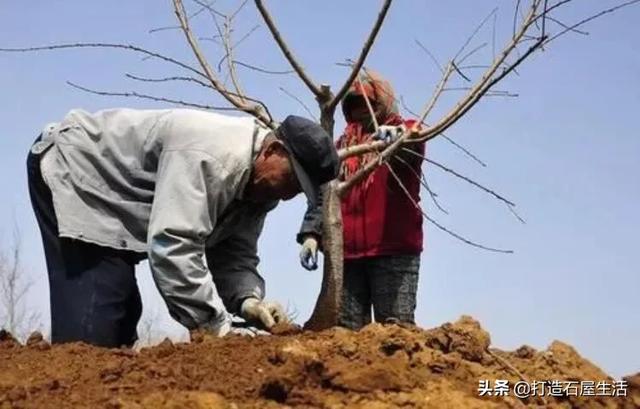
(176, 186)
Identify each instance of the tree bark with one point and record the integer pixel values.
(327, 309)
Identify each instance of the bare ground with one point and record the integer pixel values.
(378, 367)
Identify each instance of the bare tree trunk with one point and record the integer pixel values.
(327, 309)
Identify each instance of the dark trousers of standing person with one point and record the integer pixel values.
(389, 284)
(94, 296)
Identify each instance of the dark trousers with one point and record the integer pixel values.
(389, 284)
(93, 291)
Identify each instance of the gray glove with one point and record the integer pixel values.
(262, 313)
(220, 327)
(389, 133)
(309, 253)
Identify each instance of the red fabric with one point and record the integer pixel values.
(378, 217)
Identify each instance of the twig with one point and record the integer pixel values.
(433, 58)
(254, 110)
(553, 7)
(236, 44)
(437, 92)
(493, 36)
(263, 70)
(463, 149)
(372, 113)
(286, 51)
(238, 10)
(460, 176)
(508, 366)
(510, 205)
(515, 214)
(486, 82)
(214, 39)
(448, 139)
(128, 47)
(133, 94)
(195, 14)
(544, 19)
(208, 6)
(196, 81)
(563, 25)
(453, 64)
(474, 33)
(515, 18)
(306, 108)
(504, 94)
(588, 19)
(225, 36)
(168, 79)
(244, 37)
(470, 53)
(438, 225)
(231, 65)
(424, 183)
(363, 55)
(477, 93)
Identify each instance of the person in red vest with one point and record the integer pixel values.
(382, 225)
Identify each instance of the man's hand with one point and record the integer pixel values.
(222, 328)
(389, 133)
(309, 253)
(219, 327)
(262, 313)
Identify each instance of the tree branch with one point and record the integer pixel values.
(445, 137)
(128, 47)
(588, 19)
(460, 176)
(423, 182)
(193, 43)
(286, 51)
(363, 55)
(133, 94)
(436, 95)
(438, 225)
(196, 81)
(306, 108)
(263, 70)
(433, 57)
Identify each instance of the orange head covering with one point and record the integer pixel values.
(383, 101)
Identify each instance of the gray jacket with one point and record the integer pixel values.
(168, 184)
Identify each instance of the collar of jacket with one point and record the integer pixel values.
(260, 132)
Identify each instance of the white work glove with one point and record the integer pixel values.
(224, 327)
(389, 133)
(262, 313)
(309, 253)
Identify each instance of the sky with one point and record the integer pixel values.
(566, 151)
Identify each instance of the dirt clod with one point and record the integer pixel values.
(34, 338)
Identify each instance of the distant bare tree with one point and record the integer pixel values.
(15, 314)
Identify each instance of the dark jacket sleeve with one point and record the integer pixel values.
(312, 220)
(234, 266)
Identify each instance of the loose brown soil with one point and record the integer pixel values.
(378, 367)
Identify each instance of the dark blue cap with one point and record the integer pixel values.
(313, 155)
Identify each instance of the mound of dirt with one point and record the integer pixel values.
(381, 366)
